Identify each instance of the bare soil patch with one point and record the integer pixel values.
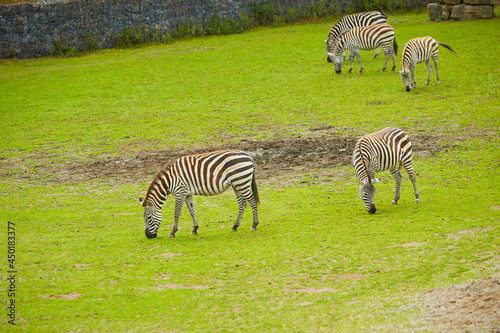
(410, 244)
(272, 158)
(73, 295)
(468, 307)
(179, 286)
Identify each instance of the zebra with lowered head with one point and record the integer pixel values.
(202, 174)
(365, 38)
(381, 151)
(419, 50)
(350, 21)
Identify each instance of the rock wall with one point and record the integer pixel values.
(461, 10)
(32, 29)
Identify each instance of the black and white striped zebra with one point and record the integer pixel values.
(381, 151)
(365, 38)
(419, 50)
(202, 174)
(350, 21)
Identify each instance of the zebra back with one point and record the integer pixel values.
(201, 174)
(419, 50)
(354, 20)
(365, 38)
(380, 151)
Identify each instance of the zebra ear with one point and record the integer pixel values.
(141, 199)
(376, 180)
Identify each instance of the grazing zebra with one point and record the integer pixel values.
(202, 174)
(418, 50)
(350, 21)
(365, 38)
(382, 151)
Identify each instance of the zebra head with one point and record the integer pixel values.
(337, 61)
(329, 47)
(367, 194)
(405, 75)
(152, 219)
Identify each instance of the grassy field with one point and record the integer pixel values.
(318, 261)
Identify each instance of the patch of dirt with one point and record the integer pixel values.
(468, 307)
(410, 244)
(73, 295)
(312, 290)
(179, 286)
(272, 158)
(345, 277)
(167, 255)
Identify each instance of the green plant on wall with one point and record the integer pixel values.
(61, 49)
(369, 5)
(90, 41)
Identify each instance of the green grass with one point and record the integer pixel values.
(318, 262)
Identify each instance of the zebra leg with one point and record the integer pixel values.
(376, 52)
(242, 204)
(355, 53)
(397, 177)
(436, 67)
(253, 204)
(413, 82)
(190, 205)
(343, 56)
(179, 201)
(429, 68)
(409, 170)
(387, 54)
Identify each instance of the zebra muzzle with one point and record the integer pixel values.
(149, 234)
(372, 209)
(408, 88)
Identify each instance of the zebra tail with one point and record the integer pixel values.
(381, 12)
(448, 47)
(254, 190)
(395, 46)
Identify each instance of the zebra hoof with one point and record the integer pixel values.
(194, 233)
(253, 229)
(417, 201)
(394, 202)
(171, 236)
(234, 229)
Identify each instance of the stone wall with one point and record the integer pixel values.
(461, 10)
(32, 29)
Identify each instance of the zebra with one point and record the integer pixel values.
(365, 38)
(382, 151)
(201, 174)
(350, 21)
(419, 50)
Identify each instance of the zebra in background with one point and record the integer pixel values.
(202, 174)
(350, 21)
(365, 38)
(419, 50)
(382, 151)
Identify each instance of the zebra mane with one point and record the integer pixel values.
(337, 40)
(363, 159)
(154, 182)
